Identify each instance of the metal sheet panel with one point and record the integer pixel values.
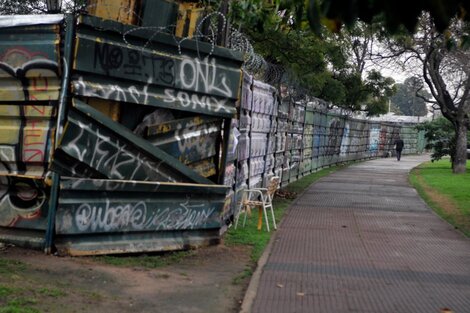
(112, 216)
(259, 143)
(130, 206)
(26, 136)
(246, 99)
(29, 87)
(147, 68)
(123, 11)
(26, 20)
(167, 12)
(260, 123)
(135, 242)
(192, 140)
(23, 203)
(244, 146)
(30, 80)
(94, 146)
(189, 140)
(29, 63)
(309, 117)
(189, 18)
(263, 98)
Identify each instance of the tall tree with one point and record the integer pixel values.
(440, 137)
(439, 44)
(410, 97)
(357, 42)
(444, 65)
(365, 87)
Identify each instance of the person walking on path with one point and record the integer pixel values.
(399, 147)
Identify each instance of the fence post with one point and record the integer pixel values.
(63, 100)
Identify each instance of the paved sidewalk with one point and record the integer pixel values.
(361, 240)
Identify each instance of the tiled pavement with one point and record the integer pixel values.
(361, 240)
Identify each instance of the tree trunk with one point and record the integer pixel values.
(460, 159)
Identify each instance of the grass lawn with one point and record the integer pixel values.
(447, 193)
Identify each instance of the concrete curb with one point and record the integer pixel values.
(252, 289)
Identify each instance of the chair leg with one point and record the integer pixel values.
(259, 226)
(237, 217)
(244, 218)
(272, 211)
(266, 217)
(274, 219)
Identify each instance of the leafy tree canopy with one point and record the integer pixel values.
(394, 13)
(410, 97)
(440, 137)
(11, 7)
(326, 66)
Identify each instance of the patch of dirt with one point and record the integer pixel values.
(201, 282)
(284, 194)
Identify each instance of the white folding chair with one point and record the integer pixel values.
(261, 198)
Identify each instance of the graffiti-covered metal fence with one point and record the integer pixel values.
(119, 139)
(291, 139)
(113, 138)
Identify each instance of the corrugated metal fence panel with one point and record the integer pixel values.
(29, 90)
(374, 139)
(23, 203)
(107, 208)
(29, 58)
(231, 208)
(117, 62)
(192, 141)
(94, 146)
(246, 100)
(263, 98)
(359, 140)
(411, 138)
(122, 11)
(263, 126)
(30, 78)
(114, 216)
(321, 139)
(421, 142)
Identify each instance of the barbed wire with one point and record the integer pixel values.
(198, 36)
(206, 31)
(254, 63)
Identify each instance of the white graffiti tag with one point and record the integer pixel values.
(137, 217)
(111, 156)
(195, 101)
(131, 94)
(202, 76)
